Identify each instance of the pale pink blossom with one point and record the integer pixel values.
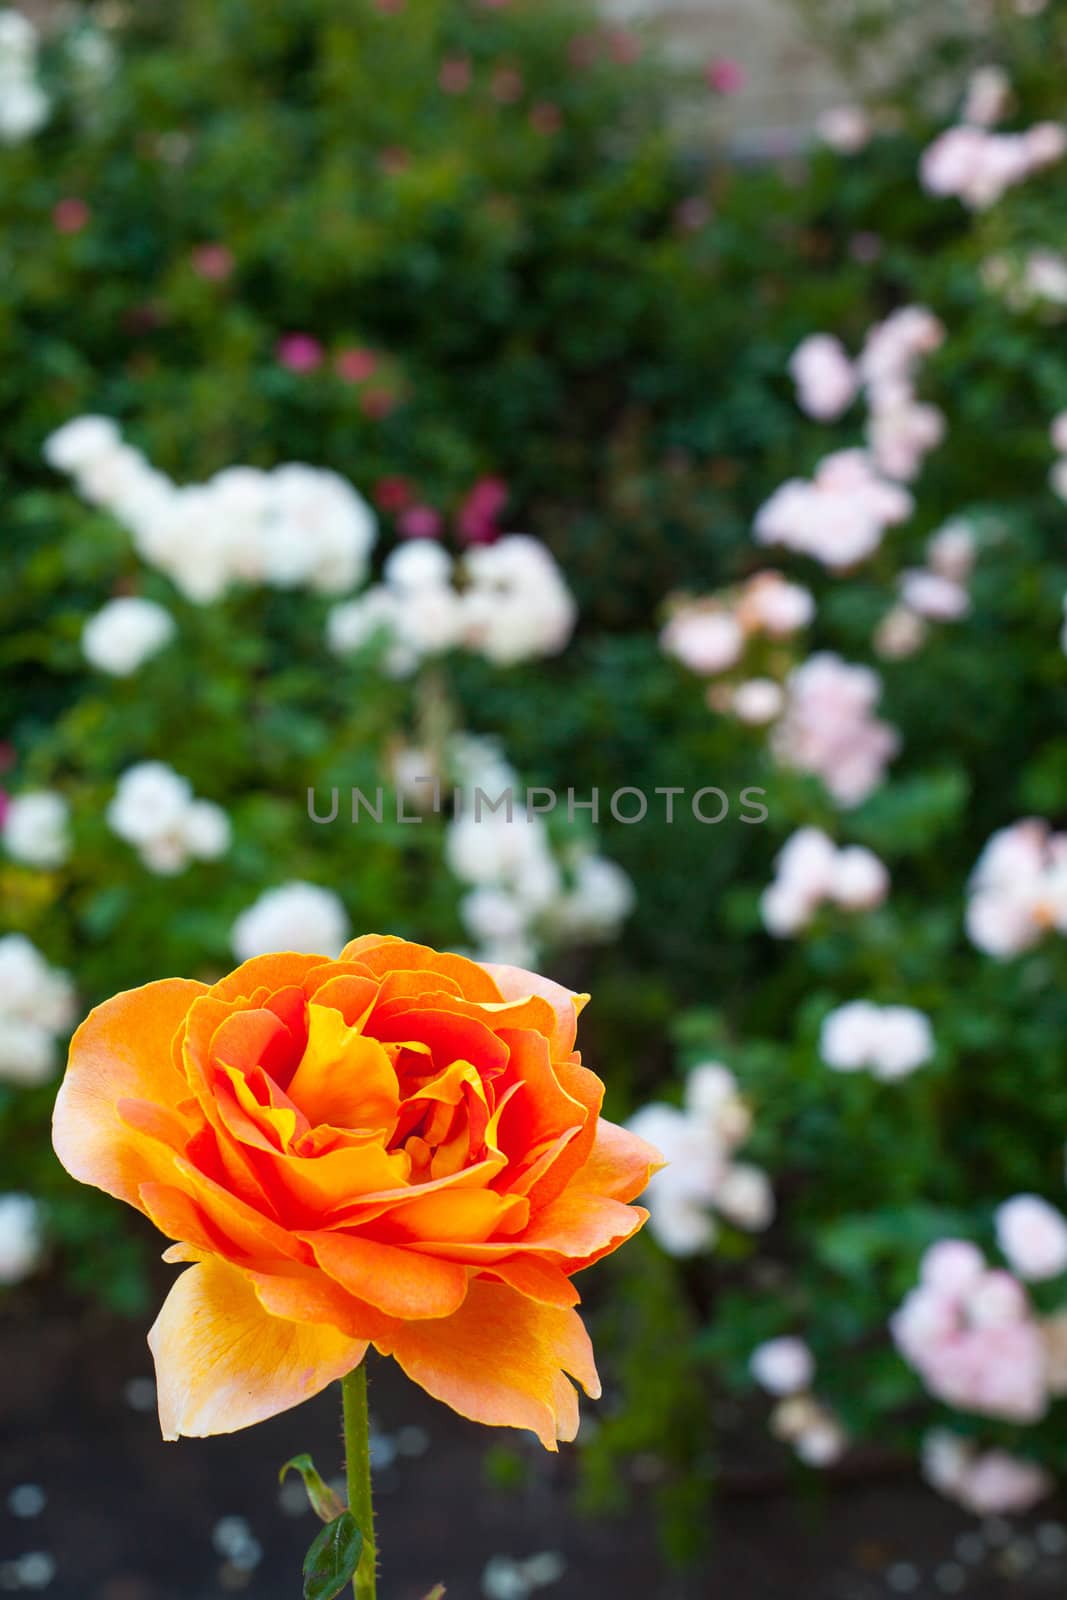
(951, 551)
(840, 517)
(1018, 890)
(899, 634)
(952, 1267)
(978, 167)
(811, 871)
(990, 1483)
(894, 347)
(971, 1336)
(757, 701)
(988, 97)
(829, 729)
(846, 129)
(934, 597)
(900, 434)
(1033, 1237)
(782, 1366)
(825, 377)
(772, 605)
(859, 881)
(704, 637)
(1058, 432)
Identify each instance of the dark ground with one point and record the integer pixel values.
(129, 1518)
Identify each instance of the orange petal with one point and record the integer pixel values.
(402, 1283)
(223, 1362)
(345, 1078)
(311, 1296)
(122, 1051)
(501, 1360)
(537, 1280)
(273, 972)
(619, 1165)
(515, 983)
(454, 1216)
(381, 953)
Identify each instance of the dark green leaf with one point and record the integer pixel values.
(333, 1558)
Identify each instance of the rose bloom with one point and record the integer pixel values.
(398, 1148)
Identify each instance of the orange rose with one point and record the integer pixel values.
(399, 1148)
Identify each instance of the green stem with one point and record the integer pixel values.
(357, 1472)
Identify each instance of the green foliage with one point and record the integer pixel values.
(331, 1562)
(321, 1497)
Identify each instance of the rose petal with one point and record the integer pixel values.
(501, 1360)
(223, 1362)
(122, 1051)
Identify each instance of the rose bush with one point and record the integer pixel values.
(399, 1148)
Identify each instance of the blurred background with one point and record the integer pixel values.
(514, 394)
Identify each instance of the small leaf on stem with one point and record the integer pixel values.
(331, 1562)
(324, 1502)
(437, 1592)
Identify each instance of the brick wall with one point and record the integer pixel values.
(788, 81)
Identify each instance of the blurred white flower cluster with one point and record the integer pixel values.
(510, 604)
(36, 1008)
(296, 916)
(522, 894)
(698, 1142)
(977, 166)
(125, 633)
(1018, 890)
(890, 1042)
(985, 1482)
(785, 1368)
(24, 105)
(36, 828)
(294, 526)
(937, 592)
(810, 872)
(155, 810)
(828, 727)
(21, 1238)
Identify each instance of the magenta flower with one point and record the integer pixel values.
(477, 520)
(420, 522)
(725, 75)
(299, 352)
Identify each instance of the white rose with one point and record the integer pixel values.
(300, 917)
(35, 829)
(125, 633)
